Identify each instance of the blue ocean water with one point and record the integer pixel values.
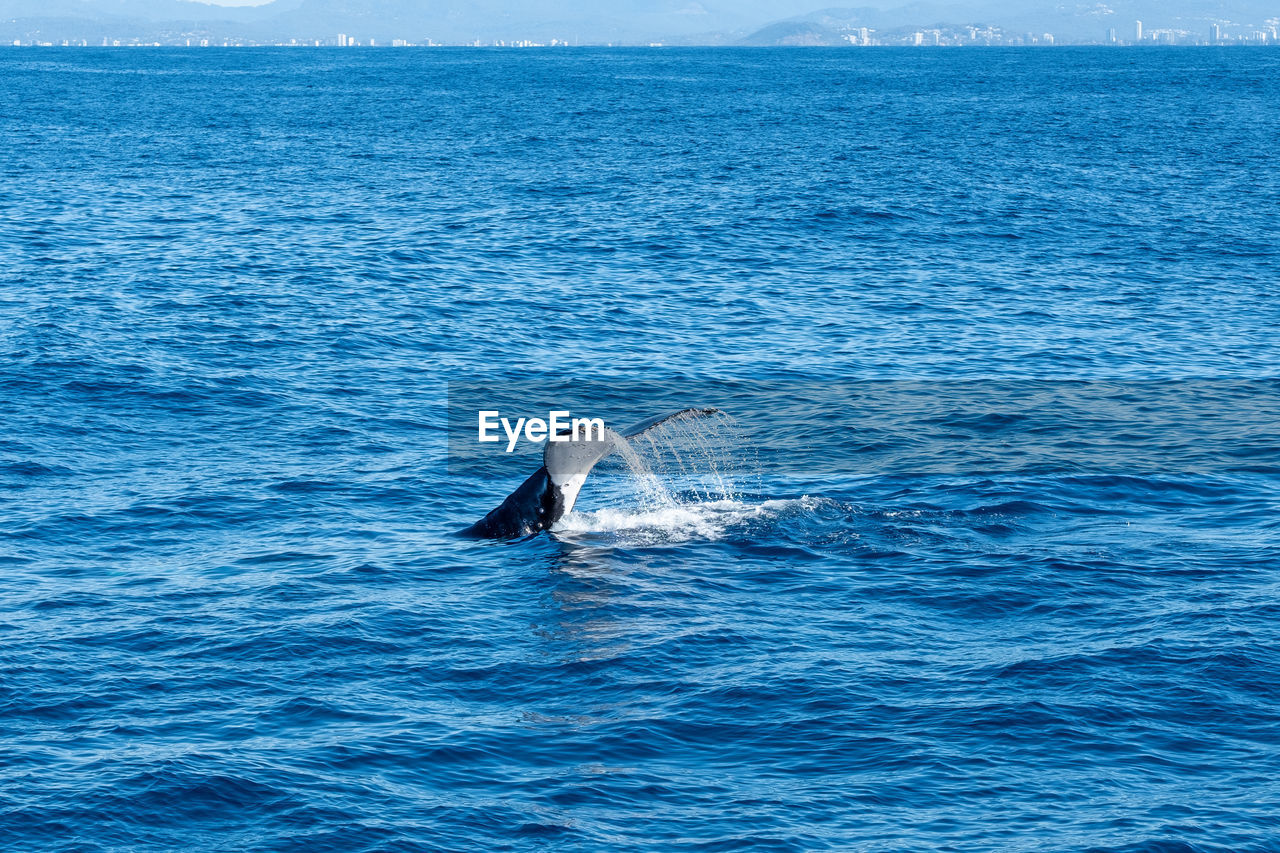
(997, 567)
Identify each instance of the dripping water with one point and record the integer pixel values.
(692, 458)
(680, 478)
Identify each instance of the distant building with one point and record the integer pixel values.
(1215, 34)
(1137, 30)
(1111, 36)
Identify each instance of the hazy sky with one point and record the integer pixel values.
(784, 7)
(640, 21)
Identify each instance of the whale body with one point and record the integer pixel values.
(551, 491)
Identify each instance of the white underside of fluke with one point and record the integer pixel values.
(569, 490)
(569, 462)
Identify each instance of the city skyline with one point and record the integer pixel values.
(398, 23)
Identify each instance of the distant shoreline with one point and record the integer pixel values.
(655, 46)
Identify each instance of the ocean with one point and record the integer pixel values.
(981, 554)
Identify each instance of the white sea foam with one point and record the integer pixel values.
(678, 522)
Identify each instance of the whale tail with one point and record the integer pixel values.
(552, 490)
(653, 423)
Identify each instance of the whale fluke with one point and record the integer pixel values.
(644, 426)
(551, 491)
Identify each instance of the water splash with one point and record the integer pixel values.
(697, 451)
(680, 522)
(701, 457)
(679, 480)
(653, 493)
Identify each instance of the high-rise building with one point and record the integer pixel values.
(1111, 36)
(1215, 34)
(1137, 30)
